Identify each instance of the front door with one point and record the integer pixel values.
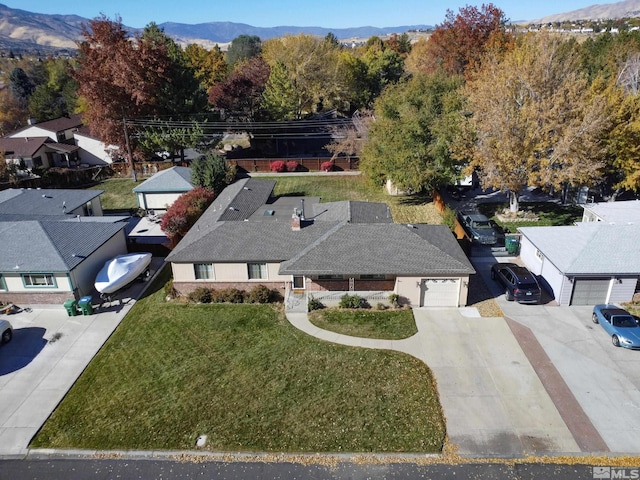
(298, 283)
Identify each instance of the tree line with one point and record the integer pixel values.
(517, 108)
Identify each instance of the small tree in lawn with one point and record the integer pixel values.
(212, 172)
(184, 213)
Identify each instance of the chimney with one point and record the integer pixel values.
(295, 221)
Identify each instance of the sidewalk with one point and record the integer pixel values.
(494, 403)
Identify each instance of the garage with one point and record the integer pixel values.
(590, 291)
(440, 292)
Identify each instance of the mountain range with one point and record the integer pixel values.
(28, 31)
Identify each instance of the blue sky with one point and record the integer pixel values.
(270, 13)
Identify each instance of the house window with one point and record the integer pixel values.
(257, 271)
(372, 277)
(329, 277)
(39, 280)
(204, 271)
(539, 255)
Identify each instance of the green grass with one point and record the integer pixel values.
(411, 209)
(549, 214)
(243, 376)
(118, 194)
(384, 324)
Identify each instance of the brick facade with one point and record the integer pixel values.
(35, 298)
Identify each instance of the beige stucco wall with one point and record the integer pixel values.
(227, 272)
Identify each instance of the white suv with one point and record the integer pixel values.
(6, 331)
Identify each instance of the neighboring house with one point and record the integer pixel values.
(247, 237)
(59, 130)
(68, 143)
(54, 242)
(27, 201)
(619, 213)
(38, 152)
(51, 261)
(92, 150)
(162, 189)
(587, 263)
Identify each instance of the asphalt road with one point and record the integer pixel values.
(85, 469)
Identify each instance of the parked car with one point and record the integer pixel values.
(519, 283)
(620, 324)
(480, 229)
(7, 331)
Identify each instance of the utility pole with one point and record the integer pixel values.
(126, 139)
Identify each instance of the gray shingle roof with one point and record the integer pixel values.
(52, 245)
(248, 241)
(174, 179)
(352, 211)
(381, 249)
(589, 248)
(616, 212)
(44, 201)
(343, 238)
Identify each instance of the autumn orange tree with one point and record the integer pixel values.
(184, 213)
(463, 39)
(534, 120)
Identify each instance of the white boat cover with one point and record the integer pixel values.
(121, 270)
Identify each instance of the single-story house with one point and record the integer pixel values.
(47, 261)
(612, 212)
(585, 264)
(54, 243)
(163, 188)
(248, 237)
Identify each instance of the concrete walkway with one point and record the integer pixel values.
(494, 403)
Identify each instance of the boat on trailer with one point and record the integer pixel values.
(120, 271)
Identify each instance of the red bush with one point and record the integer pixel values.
(278, 166)
(327, 166)
(184, 212)
(292, 166)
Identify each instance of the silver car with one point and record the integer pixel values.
(6, 331)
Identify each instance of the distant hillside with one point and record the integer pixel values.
(26, 31)
(224, 32)
(22, 29)
(626, 9)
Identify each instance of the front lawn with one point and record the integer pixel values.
(243, 376)
(385, 324)
(548, 213)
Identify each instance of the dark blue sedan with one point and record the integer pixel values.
(620, 324)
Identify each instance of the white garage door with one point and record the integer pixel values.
(440, 292)
(590, 291)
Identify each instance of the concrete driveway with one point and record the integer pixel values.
(604, 380)
(48, 353)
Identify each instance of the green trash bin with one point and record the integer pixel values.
(85, 305)
(512, 245)
(71, 306)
